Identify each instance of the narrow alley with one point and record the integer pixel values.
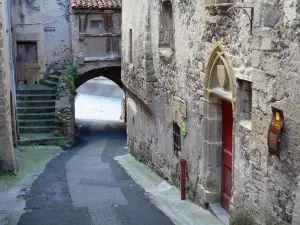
(137, 112)
(85, 185)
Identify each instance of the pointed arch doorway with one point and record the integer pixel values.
(219, 128)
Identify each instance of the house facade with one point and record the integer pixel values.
(96, 35)
(41, 37)
(205, 81)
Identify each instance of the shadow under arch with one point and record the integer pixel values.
(111, 73)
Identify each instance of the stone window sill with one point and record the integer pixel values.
(246, 124)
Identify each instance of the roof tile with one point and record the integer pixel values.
(96, 4)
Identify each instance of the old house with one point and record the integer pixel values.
(41, 37)
(96, 39)
(8, 131)
(204, 81)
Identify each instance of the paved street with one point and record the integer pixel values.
(85, 185)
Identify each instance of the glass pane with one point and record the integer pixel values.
(96, 24)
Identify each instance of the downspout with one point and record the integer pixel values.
(12, 64)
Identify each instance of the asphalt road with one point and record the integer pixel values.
(84, 185)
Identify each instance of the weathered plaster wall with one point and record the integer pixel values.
(7, 157)
(30, 19)
(263, 184)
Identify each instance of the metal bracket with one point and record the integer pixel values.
(233, 12)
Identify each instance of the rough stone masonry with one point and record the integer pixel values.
(192, 51)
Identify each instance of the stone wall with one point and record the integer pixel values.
(64, 123)
(47, 23)
(264, 185)
(7, 157)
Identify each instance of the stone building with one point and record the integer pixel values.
(201, 84)
(8, 132)
(41, 33)
(96, 39)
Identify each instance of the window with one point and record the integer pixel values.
(166, 32)
(96, 24)
(130, 45)
(176, 138)
(245, 96)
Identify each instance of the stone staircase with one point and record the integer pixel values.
(36, 111)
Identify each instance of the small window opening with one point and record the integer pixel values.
(176, 138)
(245, 103)
(130, 45)
(96, 24)
(166, 32)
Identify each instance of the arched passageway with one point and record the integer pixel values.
(100, 95)
(112, 73)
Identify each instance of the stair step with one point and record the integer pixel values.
(56, 72)
(45, 103)
(35, 97)
(36, 122)
(26, 110)
(36, 129)
(60, 141)
(54, 78)
(49, 83)
(30, 116)
(33, 91)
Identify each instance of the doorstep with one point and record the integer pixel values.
(220, 212)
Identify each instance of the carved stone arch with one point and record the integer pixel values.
(219, 86)
(219, 77)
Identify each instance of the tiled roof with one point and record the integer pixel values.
(96, 4)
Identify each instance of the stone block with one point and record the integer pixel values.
(81, 37)
(80, 60)
(202, 104)
(148, 86)
(260, 80)
(214, 154)
(27, 36)
(270, 17)
(271, 64)
(256, 58)
(208, 196)
(214, 131)
(201, 66)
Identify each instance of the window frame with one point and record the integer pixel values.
(176, 138)
(130, 56)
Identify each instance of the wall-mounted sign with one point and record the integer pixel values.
(183, 129)
(49, 29)
(275, 130)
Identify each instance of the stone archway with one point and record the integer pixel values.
(112, 73)
(219, 91)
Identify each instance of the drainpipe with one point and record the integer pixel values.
(12, 64)
(182, 179)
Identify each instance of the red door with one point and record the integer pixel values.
(227, 121)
